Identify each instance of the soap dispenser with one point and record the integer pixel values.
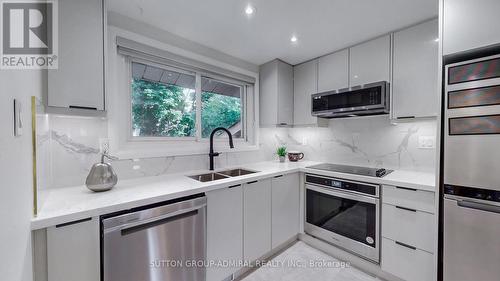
(102, 177)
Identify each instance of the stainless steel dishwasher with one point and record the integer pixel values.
(165, 242)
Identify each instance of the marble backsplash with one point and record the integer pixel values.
(68, 146)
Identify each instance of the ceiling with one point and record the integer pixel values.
(321, 26)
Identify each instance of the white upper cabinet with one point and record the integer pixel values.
(276, 94)
(333, 71)
(79, 80)
(370, 62)
(470, 24)
(305, 83)
(415, 73)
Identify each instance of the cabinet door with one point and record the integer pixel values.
(73, 251)
(285, 94)
(79, 80)
(276, 93)
(470, 24)
(304, 85)
(268, 98)
(256, 219)
(333, 71)
(285, 208)
(370, 62)
(415, 73)
(224, 230)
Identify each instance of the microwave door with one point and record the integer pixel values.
(362, 100)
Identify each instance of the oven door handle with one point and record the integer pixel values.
(345, 195)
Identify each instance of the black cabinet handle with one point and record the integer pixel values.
(278, 176)
(252, 182)
(406, 188)
(82, 107)
(405, 117)
(233, 186)
(73, 222)
(406, 209)
(405, 245)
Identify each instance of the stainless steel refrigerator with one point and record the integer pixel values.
(471, 167)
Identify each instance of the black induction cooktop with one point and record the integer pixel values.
(356, 170)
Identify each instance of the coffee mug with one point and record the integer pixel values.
(295, 156)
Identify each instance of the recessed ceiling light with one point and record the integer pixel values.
(249, 10)
(293, 39)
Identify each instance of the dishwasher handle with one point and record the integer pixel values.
(479, 206)
(142, 225)
(152, 217)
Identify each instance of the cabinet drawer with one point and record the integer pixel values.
(420, 200)
(408, 226)
(407, 263)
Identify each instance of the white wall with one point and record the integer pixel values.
(15, 172)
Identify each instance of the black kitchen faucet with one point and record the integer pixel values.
(214, 154)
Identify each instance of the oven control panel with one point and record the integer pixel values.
(366, 188)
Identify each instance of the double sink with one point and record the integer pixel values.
(213, 176)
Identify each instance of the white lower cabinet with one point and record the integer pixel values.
(73, 251)
(408, 233)
(407, 262)
(246, 222)
(256, 219)
(409, 226)
(224, 230)
(285, 208)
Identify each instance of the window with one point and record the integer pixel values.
(164, 103)
(221, 106)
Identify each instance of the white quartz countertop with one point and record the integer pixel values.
(68, 204)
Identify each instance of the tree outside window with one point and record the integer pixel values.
(164, 104)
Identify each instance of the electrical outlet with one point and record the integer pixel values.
(426, 142)
(104, 146)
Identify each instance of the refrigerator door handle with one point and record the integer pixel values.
(479, 206)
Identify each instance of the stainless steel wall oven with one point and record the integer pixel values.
(344, 213)
(471, 164)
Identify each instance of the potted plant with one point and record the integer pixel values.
(281, 151)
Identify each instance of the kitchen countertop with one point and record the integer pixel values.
(68, 204)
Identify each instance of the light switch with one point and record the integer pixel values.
(18, 118)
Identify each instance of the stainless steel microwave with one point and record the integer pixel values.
(369, 99)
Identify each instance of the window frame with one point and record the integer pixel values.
(198, 92)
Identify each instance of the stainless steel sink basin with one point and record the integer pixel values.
(209, 177)
(237, 172)
(222, 175)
